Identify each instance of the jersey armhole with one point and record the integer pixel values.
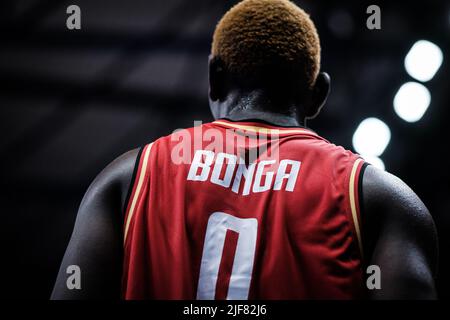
(355, 198)
(136, 185)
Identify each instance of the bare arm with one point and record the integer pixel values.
(400, 237)
(96, 242)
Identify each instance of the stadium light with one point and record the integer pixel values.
(371, 137)
(375, 161)
(411, 101)
(423, 60)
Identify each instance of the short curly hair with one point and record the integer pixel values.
(268, 38)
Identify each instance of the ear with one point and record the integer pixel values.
(217, 79)
(318, 95)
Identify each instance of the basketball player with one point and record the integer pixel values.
(219, 223)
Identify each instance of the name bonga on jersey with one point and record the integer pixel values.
(230, 171)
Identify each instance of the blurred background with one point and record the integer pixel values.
(73, 100)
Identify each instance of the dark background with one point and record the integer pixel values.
(72, 101)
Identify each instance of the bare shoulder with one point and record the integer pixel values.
(390, 195)
(115, 179)
(399, 235)
(96, 241)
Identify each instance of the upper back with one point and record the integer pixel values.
(243, 210)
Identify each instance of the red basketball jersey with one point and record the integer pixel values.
(243, 210)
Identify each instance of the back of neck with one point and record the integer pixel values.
(256, 105)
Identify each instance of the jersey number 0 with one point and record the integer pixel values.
(218, 225)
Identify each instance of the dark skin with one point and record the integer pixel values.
(398, 231)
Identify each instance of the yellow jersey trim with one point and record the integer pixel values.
(352, 192)
(138, 190)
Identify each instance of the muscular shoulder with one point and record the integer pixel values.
(113, 182)
(391, 206)
(387, 196)
(96, 242)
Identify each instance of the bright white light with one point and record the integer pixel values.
(371, 137)
(423, 60)
(411, 101)
(375, 161)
